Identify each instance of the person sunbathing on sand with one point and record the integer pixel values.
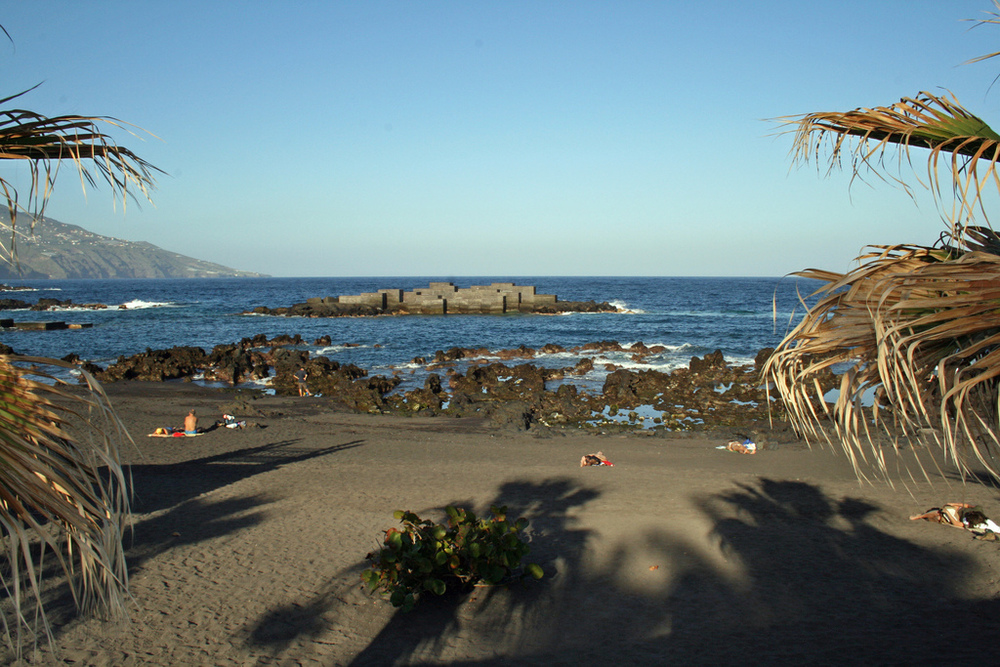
(960, 515)
(191, 423)
(745, 447)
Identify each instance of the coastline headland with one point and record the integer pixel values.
(439, 298)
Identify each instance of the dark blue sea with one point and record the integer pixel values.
(688, 316)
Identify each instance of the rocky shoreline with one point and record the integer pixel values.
(502, 386)
(46, 303)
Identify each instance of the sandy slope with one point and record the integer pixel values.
(248, 547)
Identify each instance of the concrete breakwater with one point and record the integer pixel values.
(439, 298)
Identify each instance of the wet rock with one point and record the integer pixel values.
(522, 352)
(431, 397)
(235, 364)
(510, 415)
(456, 353)
(156, 365)
(321, 309)
(600, 346)
(13, 304)
(285, 339)
(566, 404)
(762, 357)
(576, 307)
(91, 368)
(713, 360)
(48, 304)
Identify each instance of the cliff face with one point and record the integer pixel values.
(59, 250)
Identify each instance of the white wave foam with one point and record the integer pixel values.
(71, 309)
(339, 348)
(734, 360)
(625, 308)
(558, 355)
(406, 366)
(665, 367)
(667, 347)
(139, 304)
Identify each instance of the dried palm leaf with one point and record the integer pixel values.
(63, 494)
(918, 330)
(45, 142)
(966, 143)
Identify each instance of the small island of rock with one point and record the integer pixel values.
(439, 299)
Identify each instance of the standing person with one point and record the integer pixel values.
(191, 423)
(300, 378)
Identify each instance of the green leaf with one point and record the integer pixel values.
(494, 574)
(394, 540)
(435, 586)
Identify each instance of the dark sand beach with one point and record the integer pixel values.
(248, 545)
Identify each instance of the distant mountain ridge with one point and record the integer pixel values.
(60, 250)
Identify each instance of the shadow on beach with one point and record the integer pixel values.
(556, 545)
(173, 495)
(178, 510)
(793, 576)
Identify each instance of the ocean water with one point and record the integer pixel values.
(688, 316)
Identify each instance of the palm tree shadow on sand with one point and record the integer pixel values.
(798, 577)
(818, 581)
(556, 545)
(178, 511)
(791, 576)
(174, 494)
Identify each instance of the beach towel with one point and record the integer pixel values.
(172, 433)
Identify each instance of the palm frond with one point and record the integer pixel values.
(63, 495)
(918, 331)
(44, 143)
(994, 20)
(954, 137)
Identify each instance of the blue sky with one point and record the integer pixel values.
(493, 138)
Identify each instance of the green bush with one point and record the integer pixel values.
(423, 556)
